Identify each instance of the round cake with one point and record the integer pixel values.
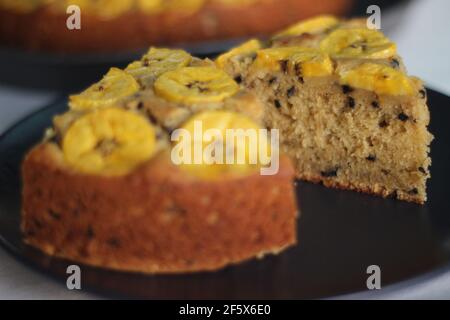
(105, 189)
(119, 25)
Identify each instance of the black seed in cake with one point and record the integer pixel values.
(152, 118)
(403, 117)
(298, 70)
(284, 65)
(272, 80)
(383, 124)
(351, 102)
(238, 79)
(371, 158)
(277, 104)
(375, 104)
(329, 173)
(299, 73)
(346, 89)
(290, 92)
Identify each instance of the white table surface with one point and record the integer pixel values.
(422, 32)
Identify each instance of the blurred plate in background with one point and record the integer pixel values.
(71, 72)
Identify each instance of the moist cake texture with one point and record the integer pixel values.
(350, 117)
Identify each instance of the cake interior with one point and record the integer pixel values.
(341, 135)
(349, 138)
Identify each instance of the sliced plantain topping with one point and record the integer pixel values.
(358, 43)
(379, 78)
(115, 85)
(156, 62)
(311, 62)
(314, 25)
(246, 48)
(109, 141)
(195, 85)
(215, 150)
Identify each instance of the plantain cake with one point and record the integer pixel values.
(349, 114)
(123, 25)
(103, 189)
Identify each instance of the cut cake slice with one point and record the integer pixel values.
(349, 115)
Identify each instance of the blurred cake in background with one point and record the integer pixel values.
(123, 25)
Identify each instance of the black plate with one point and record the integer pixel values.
(74, 71)
(70, 72)
(340, 234)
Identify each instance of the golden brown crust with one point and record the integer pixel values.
(44, 30)
(157, 219)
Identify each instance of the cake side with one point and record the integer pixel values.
(157, 219)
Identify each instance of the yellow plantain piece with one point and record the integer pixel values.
(246, 48)
(378, 78)
(195, 85)
(109, 141)
(313, 26)
(358, 43)
(158, 61)
(115, 85)
(310, 62)
(211, 163)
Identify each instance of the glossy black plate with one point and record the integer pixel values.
(74, 71)
(340, 234)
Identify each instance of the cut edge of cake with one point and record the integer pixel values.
(350, 118)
